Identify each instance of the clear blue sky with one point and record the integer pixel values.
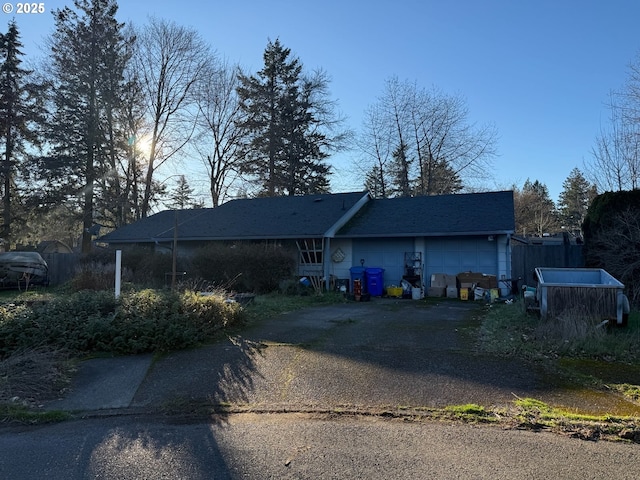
(540, 70)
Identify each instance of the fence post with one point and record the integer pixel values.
(118, 271)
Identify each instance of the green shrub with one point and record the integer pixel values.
(248, 267)
(140, 321)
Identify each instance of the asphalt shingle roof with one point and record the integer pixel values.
(460, 214)
(313, 215)
(257, 218)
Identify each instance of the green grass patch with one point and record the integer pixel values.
(274, 304)
(23, 415)
(509, 330)
(470, 412)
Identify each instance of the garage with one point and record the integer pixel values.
(450, 233)
(385, 253)
(455, 255)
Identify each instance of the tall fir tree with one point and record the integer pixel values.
(535, 212)
(88, 53)
(574, 201)
(182, 196)
(284, 144)
(22, 114)
(400, 171)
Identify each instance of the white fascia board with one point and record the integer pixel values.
(347, 216)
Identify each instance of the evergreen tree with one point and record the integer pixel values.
(534, 210)
(574, 201)
(439, 179)
(285, 148)
(182, 196)
(400, 171)
(375, 183)
(88, 56)
(21, 115)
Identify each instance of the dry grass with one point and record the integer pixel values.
(34, 375)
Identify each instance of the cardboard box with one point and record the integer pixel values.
(436, 291)
(451, 281)
(438, 280)
(452, 292)
(488, 282)
(473, 279)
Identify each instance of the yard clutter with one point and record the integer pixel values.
(464, 285)
(441, 285)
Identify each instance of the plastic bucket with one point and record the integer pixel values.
(416, 293)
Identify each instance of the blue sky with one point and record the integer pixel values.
(540, 71)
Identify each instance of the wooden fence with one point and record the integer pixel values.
(62, 266)
(525, 258)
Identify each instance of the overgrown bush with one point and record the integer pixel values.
(245, 266)
(141, 266)
(612, 235)
(143, 321)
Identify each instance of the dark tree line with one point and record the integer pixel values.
(536, 213)
(114, 105)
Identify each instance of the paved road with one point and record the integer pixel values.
(301, 447)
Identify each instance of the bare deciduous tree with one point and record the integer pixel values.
(375, 146)
(437, 149)
(615, 157)
(170, 60)
(219, 135)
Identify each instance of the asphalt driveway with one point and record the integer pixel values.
(378, 354)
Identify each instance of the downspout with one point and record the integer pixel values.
(326, 263)
(508, 273)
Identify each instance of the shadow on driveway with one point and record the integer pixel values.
(383, 353)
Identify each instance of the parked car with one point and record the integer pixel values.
(21, 269)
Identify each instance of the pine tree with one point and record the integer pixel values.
(88, 50)
(285, 145)
(534, 210)
(574, 201)
(375, 182)
(182, 196)
(21, 115)
(400, 171)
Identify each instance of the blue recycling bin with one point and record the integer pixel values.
(375, 281)
(358, 273)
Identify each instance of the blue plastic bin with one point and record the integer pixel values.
(358, 273)
(375, 281)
